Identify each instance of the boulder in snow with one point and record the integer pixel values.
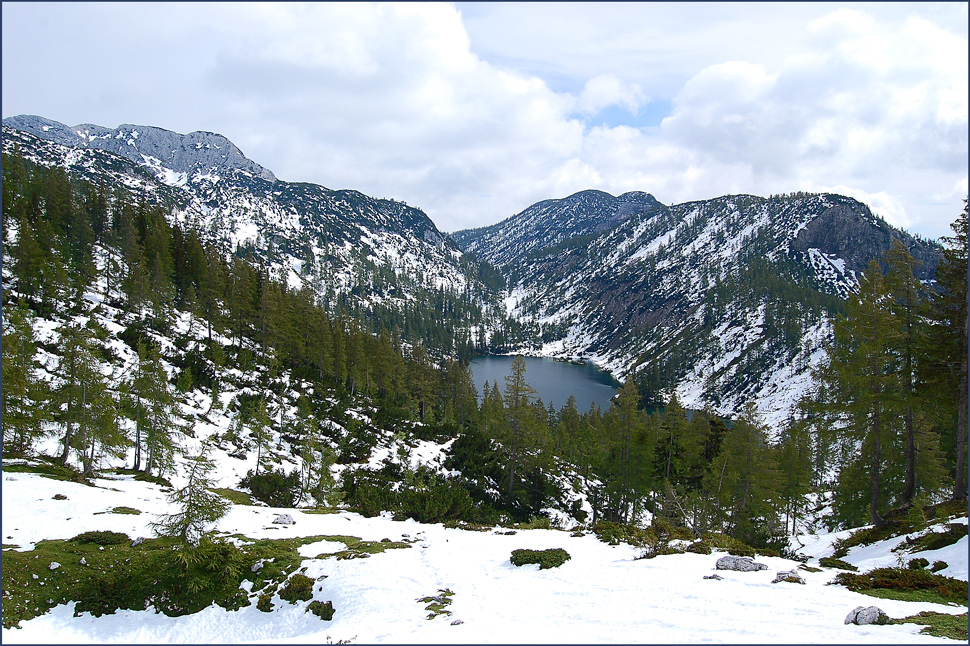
(790, 576)
(715, 577)
(284, 519)
(739, 564)
(866, 616)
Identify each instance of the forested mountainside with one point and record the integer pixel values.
(149, 355)
(723, 301)
(379, 260)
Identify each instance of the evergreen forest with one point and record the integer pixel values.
(114, 315)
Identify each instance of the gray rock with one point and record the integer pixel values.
(138, 541)
(715, 577)
(867, 616)
(739, 564)
(257, 566)
(791, 576)
(457, 622)
(55, 565)
(284, 519)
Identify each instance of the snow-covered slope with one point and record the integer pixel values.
(371, 255)
(602, 594)
(723, 300)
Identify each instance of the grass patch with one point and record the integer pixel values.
(438, 604)
(321, 510)
(54, 471)
(906, 585)
(103, 573)
(939, 624)
(235, 497)
(126, 511)
(142, 476)
(468, 527)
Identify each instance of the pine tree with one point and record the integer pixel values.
(861, 379)
(25, 395)
(151, 404)
(906, 296)
(946, 350)
(518, 399)
(198, 505)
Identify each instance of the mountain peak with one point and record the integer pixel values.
(198, 151)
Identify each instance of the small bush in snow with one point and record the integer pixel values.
(544, 558)
(298, 587)
(918, 563)
(322, 609)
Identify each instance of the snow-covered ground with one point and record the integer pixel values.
(601, 595)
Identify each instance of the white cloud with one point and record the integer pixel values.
(606, 90)
(474, 114)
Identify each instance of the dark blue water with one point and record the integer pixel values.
(554, 380)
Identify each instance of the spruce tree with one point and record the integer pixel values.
(25, 395)
(198, 506)
(861, 379)
(946, 350)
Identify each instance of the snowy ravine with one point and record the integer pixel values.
(601, 595)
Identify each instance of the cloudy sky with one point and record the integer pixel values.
(473, 112)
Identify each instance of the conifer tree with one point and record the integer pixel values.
(861, 379)
(946, 353)
(198, 506)
(25, 395)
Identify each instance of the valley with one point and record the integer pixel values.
(197, 353)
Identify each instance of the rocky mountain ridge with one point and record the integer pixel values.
(721, 301)
(379, 259)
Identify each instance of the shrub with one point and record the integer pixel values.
(322, 609)
(298, 587)
(102, 538)
(934, 540)
(918, 563)
(700, 547)
(904, 580)
(275, 488)
(828, 561)
(544, 558)
(616, 533)
(939, 565)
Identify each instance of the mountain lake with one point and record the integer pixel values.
(554, 380)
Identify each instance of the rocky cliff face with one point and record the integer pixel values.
(194, 153)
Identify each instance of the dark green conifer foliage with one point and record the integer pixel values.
(25, 394)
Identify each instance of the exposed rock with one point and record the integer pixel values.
(284, 519)
(867, 616)
(789, 576)
(55, 565)
(739, 564)
(715, 577)
(457, 622)
(138, 541)
(257, 566)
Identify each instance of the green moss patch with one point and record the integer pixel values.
(939, 624)
(235, 497)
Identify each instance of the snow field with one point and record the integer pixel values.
(601, 595)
